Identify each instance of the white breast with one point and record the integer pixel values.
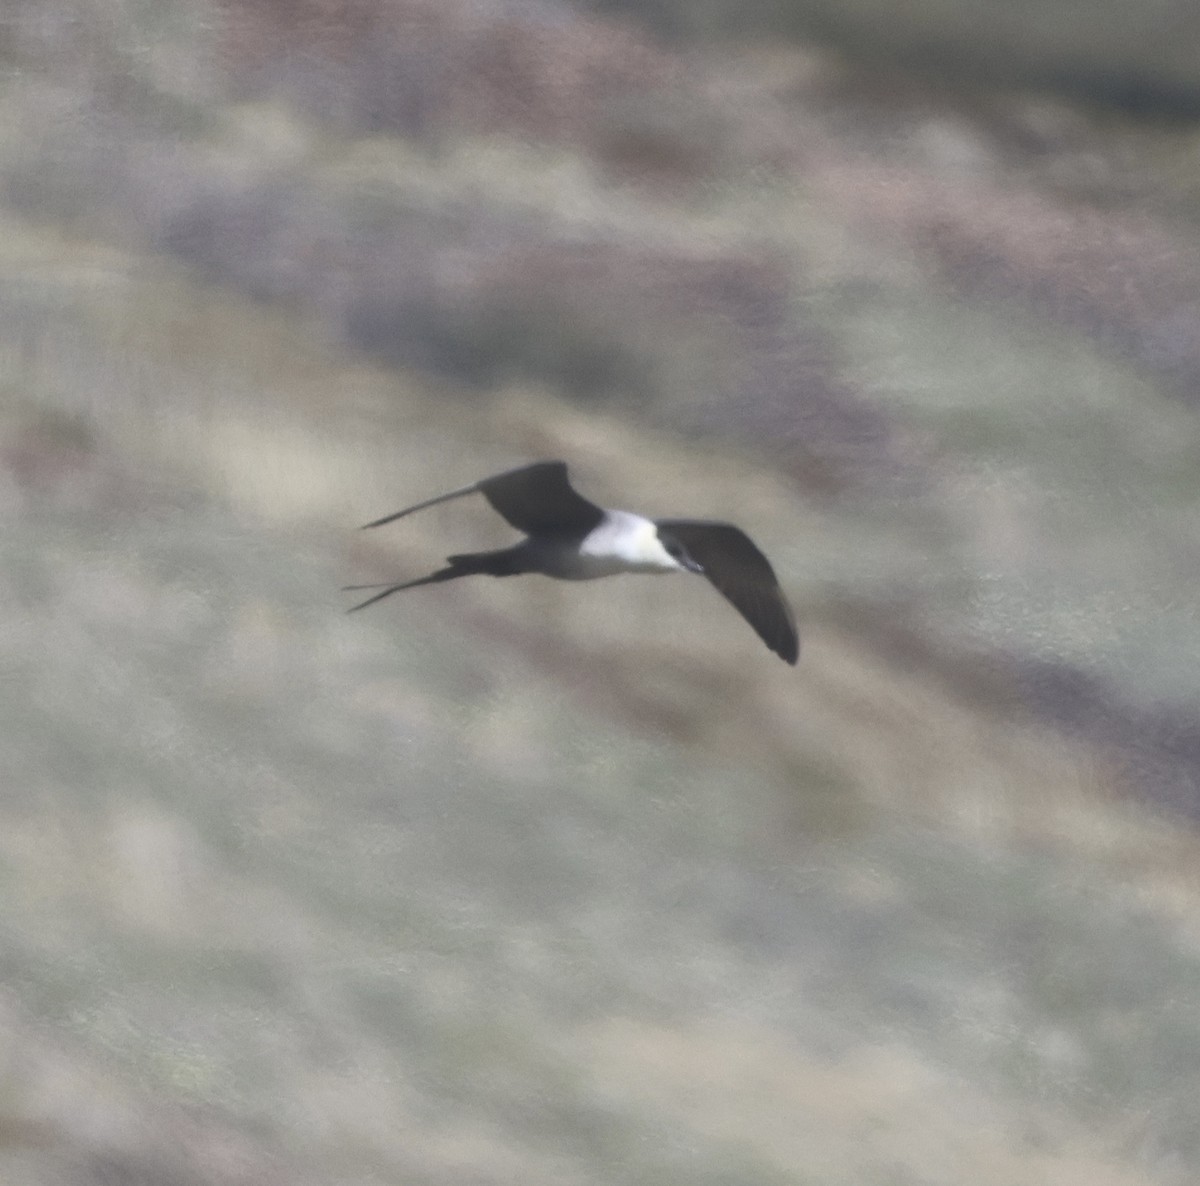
(624, 542)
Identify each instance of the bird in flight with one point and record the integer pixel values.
(571, 539)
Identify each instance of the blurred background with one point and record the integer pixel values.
(520, 882)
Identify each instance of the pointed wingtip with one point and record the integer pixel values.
(789, 650)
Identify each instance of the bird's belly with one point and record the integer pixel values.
(613, 547)
(582, 566)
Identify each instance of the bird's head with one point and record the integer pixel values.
(675, 549)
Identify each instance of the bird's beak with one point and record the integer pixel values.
(691, 565)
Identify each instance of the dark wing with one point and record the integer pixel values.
(744, 576)
(532, 499)
(539, 498)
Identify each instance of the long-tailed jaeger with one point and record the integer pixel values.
(571, 539)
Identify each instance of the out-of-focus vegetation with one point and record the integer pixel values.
(522, 883)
